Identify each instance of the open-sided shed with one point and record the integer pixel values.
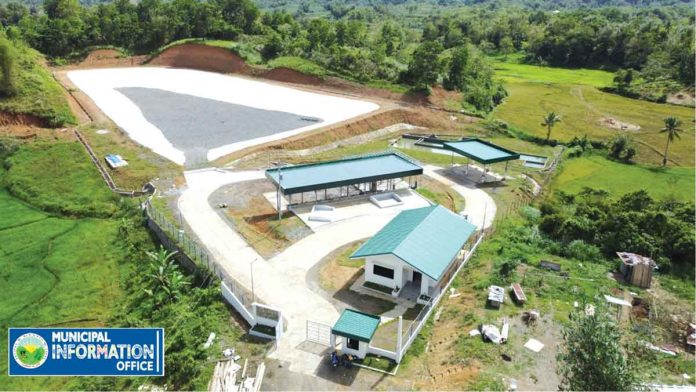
(481, 151)
(364, 173)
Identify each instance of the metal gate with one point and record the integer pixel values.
(319, 333)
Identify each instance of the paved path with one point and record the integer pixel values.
(281, 281)
(478, 205)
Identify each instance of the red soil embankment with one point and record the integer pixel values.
(201, 57)
(217, 59)
(7, 119)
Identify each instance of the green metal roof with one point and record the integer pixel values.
(427, 238)
(481, 151)
(356, 325)
(322, 175)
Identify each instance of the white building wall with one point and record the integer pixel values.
(387, 261)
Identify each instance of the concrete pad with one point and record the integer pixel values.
(358, 206)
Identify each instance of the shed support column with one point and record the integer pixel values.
(280, 214)
(332, 341)
(506, 169)
(467, 165)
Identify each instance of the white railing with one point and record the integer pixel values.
(428, 309)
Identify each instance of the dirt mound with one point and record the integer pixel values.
(288, 75)
(613, 123)
(106, 58)
(201, 57)
(7, 119)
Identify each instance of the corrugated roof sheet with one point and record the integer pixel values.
(481, 151)
(427, 238)
(356, 325)
(321, 175)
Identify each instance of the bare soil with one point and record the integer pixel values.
(610, 122)
(256, 220)
(201, 57)
(27, 120)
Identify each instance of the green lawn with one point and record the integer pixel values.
(37, 92)
(618, 178)
(583, 109)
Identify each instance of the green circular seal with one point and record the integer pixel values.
(30, 351)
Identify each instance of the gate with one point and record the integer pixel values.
(319, 333)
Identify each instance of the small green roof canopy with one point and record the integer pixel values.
(481, 151)
(331, 174)
(427, 238)
(356, 325)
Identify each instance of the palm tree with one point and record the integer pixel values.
(673, 131)
(550, 120)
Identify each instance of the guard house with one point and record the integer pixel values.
(357, 329)
(417, 252)
(637, 269)
(481, 151)
(332, 180)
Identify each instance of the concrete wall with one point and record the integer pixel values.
(237, 305)
(387, 261)
(360, 352)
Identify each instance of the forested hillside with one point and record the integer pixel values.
(374, 44)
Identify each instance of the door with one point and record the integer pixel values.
(417, 277)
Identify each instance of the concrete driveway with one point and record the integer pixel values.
(479, 206)
(281, 281)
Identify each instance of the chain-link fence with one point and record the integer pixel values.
(192, 255)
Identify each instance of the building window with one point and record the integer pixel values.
(382, 271)
(353, 344)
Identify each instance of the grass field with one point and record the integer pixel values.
(37, 92)
(598, 172)
(61, 272)
(511, 70)
(573, 94)
(59, 178)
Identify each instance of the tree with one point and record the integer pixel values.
(621, 147)
(166, 281)
(550, 120)
(425, 66)
(623, 80)
(7, 68)
(592, 357)
(673, 131)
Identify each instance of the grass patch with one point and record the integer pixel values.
(344, 259)
(143, 164)
(583, 108)
(299, 64)
(378, 287)
(440, 194)
(377, 362)
(59, 178)
(600, 173)
(38, 93)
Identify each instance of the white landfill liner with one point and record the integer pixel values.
(101, 84)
